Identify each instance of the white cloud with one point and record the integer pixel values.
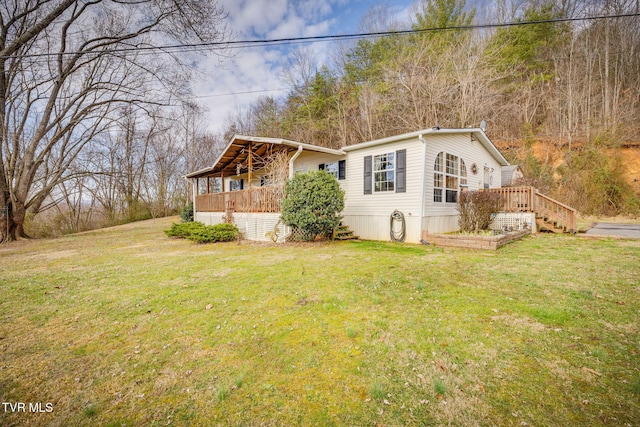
(257, 69)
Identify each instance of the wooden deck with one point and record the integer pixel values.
(528, 199)
(259, 199)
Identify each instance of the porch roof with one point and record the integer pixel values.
(237, 153)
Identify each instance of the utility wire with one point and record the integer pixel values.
(240, 44)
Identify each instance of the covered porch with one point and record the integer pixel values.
(249, 175)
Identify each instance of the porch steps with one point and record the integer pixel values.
(548, 225)
(342, 232)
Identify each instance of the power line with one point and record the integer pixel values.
(215, 95)
(240, 44)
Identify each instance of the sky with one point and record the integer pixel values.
(233, 83)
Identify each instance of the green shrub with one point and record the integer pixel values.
(200, 233)
(215, 233)
(187, 213)
(312, 204)
(184, 229)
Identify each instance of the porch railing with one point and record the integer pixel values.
(528, 199)
(259, 199)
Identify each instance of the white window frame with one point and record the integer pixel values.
(449, 177)
(384, 166)
(332, 169)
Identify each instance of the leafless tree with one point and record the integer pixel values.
(67, 67)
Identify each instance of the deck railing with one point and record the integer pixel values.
(516, 199)
(259, 199)
(528, 199)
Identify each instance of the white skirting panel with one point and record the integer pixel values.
(208, 218)
(253, 226)
(377, 227)
(440, 224)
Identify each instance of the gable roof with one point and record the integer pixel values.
(477, 132)
(237, 153)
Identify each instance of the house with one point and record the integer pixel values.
(417, 174)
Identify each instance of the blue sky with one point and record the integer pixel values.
(260, 69)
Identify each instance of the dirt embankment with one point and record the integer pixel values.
(553, 152)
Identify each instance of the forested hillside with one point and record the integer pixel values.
(560, 89)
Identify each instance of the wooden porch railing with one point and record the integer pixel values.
(259, 199)
(528, 199)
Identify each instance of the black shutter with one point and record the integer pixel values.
(401, 171)
(242, 184)
(342, 169)
(321, 166)
(367, 174)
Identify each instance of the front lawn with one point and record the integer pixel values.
(125, 326)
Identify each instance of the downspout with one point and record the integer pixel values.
(424, 173)
(293, 158)
(291, 173)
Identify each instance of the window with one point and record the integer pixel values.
(384, 172)
(449, 175)
(201, 185)
(337, 169)
(215, 185)
(236, 184)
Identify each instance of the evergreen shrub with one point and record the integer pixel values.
(200, 233)
(312, 204)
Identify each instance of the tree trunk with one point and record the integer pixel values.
(12, 222)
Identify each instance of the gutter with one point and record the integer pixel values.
(291, 161)
(424, 166)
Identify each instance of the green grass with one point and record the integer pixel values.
(125, 326)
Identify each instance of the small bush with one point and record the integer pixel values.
(187, 213)
(200, 233)
(312, 204)
(184, 230)
(475, 209)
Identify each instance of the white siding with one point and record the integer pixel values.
(369, 214)
(443, 217)
(311, 160)
(306, 161)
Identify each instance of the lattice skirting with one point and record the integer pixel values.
(512, 221)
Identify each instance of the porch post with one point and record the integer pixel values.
(194, 192)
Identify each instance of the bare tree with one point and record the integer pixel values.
(65, 68)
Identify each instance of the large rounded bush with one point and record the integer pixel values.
(312, 204)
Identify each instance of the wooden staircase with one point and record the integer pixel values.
(551, 215)
(342, 232)
(547, 225)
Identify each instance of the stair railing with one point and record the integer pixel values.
(564, 216)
